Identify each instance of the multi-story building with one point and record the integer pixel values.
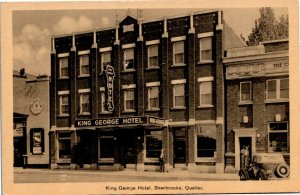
(120, 95)
(257, 100)
(31, 119)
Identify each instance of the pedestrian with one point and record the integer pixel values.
(243, 156)
(162, 161)
(246, 156)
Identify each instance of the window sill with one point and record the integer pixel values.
(206, 62)
(128, 71)
(37, 153)
(206, 106)
(178, 108)
(276, 101)
(152, 68)
(128, 111)
(177, 65)
(84, 114)
(105, 113)
(63, 78)
(206, 159)
(84, 76)
(245, 103)
(63, 115)
(153, 110)
(64, 160)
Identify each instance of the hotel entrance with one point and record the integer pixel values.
(128, 148)
(179, 145)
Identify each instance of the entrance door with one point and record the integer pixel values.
(179, 150)
(246, 141)
(18, 151)
(128, 151)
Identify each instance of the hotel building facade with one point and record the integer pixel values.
(257, 101)
(120, 95)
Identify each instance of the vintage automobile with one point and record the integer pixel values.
(265, 166)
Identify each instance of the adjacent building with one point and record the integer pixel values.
(257, 100)
(120, 95)
(31, 119)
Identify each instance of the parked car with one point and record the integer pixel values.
(265, 166)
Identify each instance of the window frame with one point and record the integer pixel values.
(81, 54)
(149, 44)
(42, 141)
(202, 80)
(177, 40)
(60, 58)
(178, 82)
(148, 134)
(149, 86)
(126, 48)
(279, 131)
(83, 92)
(202, 36)
(99, 148)
(62, 94)
(103, 51)
(68, 159)
(125, 89)
(196, 141)
(277, 90)
(250, 96)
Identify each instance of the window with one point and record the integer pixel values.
(206, 141)
(84, 64)
(84, 101)
(63, 67)
(106, 148)
(105, 59)
(278, 89)
(153, 144)
(37, 141)
(153, 98)
(205, 88)
(129, 59)
(205, 45)
(129, 104)
(152, 56)
(64, 145)
(103, 105)
(278, 137)
(178, 93)
(245, 91)
(178, 52)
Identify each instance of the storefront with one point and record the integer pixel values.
(19, 139)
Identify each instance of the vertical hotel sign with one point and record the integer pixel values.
(110, 75)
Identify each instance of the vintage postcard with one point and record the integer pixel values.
(150, 97)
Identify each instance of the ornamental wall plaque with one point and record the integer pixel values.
(36, 106)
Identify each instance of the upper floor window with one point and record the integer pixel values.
(105, 57)
(152, 47)
(129, 98)
(178, 93)
(205, 85)
(84, 101)
(277, 89)
(178, 50)
(245, 91)
(84, 62)
(128, 52)
(205, 44)
(153, 95)
(63, 102)
(63, 65)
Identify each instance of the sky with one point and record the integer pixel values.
(32, 30)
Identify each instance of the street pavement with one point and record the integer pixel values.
(59, 176)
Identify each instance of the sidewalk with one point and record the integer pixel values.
(172, 174)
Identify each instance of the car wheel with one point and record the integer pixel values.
(282, 170)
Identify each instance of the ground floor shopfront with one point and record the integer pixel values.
(94, 144)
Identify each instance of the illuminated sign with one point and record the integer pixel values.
(128, 28)
(110, 75)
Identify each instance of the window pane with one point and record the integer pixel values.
(278, 142)
(85, 69)
(153, 61)
(84, 59)
(179, 58)
(153, 144)
(106, 57)
(106, 148)
(278, 126)
(153, 50)
(205, 43)
(179, 90)
(206, 145)
(65, 100)
(179, 47)
(284, 88)
(179, 101)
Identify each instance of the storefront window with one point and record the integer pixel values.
(106, 147)
(206, 142)
(64, 145)
(278, 137)
(153, 144)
